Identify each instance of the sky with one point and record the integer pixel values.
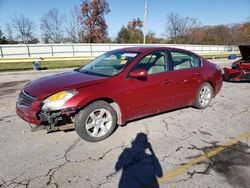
(208, 12)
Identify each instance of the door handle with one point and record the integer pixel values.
(167, 81)
(185, 81)
(197, 73)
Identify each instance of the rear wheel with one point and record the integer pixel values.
(96, 122)
(204, 96)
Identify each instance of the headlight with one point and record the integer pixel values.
(56, 101)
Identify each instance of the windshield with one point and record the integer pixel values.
(109, 64)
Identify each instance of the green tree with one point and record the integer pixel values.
(123, 35)
(152, 39)
(135, 30)
(3, 40)
(132, 33)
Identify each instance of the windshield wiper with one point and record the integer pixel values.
(93, 73)
(84, 72)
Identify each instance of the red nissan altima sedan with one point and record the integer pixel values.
(119, 86)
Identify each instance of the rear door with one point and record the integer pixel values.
(187, 75)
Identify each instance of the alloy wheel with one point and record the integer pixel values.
(205, 96)
(98, 122)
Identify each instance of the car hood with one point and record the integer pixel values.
(245, 51)
(46, 86)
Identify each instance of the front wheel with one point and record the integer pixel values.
(204, 96)
(96, 122)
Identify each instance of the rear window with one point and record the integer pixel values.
(184, 60)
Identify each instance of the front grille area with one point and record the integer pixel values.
(25, 99)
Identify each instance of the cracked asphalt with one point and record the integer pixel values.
(136, 155)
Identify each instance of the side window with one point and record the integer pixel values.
(148, 59)
(154, 63)
(184, 61)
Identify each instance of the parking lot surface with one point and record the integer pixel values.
(181, 148)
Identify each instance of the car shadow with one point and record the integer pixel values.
(139, 164)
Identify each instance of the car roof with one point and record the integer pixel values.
(148, 49)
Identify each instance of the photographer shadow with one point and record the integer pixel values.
(139, 164)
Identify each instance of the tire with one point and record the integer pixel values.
(204, 96)
(96, 122)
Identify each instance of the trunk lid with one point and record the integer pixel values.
(245, 51)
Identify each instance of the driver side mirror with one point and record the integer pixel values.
(139, 74)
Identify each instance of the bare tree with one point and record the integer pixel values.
(9, 31)
(246, 31)
(24, 28)
(197, 36)
(2, 38)
(74, 28)
(219, 34)
(52, 26)
(188, 30)
(179, 27)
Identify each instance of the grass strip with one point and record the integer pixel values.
(49, 64)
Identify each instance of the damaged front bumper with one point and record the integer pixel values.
(54, 120)
(50, 120)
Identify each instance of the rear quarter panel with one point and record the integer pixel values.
(212, 74)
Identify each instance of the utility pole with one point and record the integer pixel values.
(145, 21)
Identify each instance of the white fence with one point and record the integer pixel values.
(69, 50)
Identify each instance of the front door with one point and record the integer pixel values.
(149, 96)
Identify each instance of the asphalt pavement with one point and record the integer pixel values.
(182, 148)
